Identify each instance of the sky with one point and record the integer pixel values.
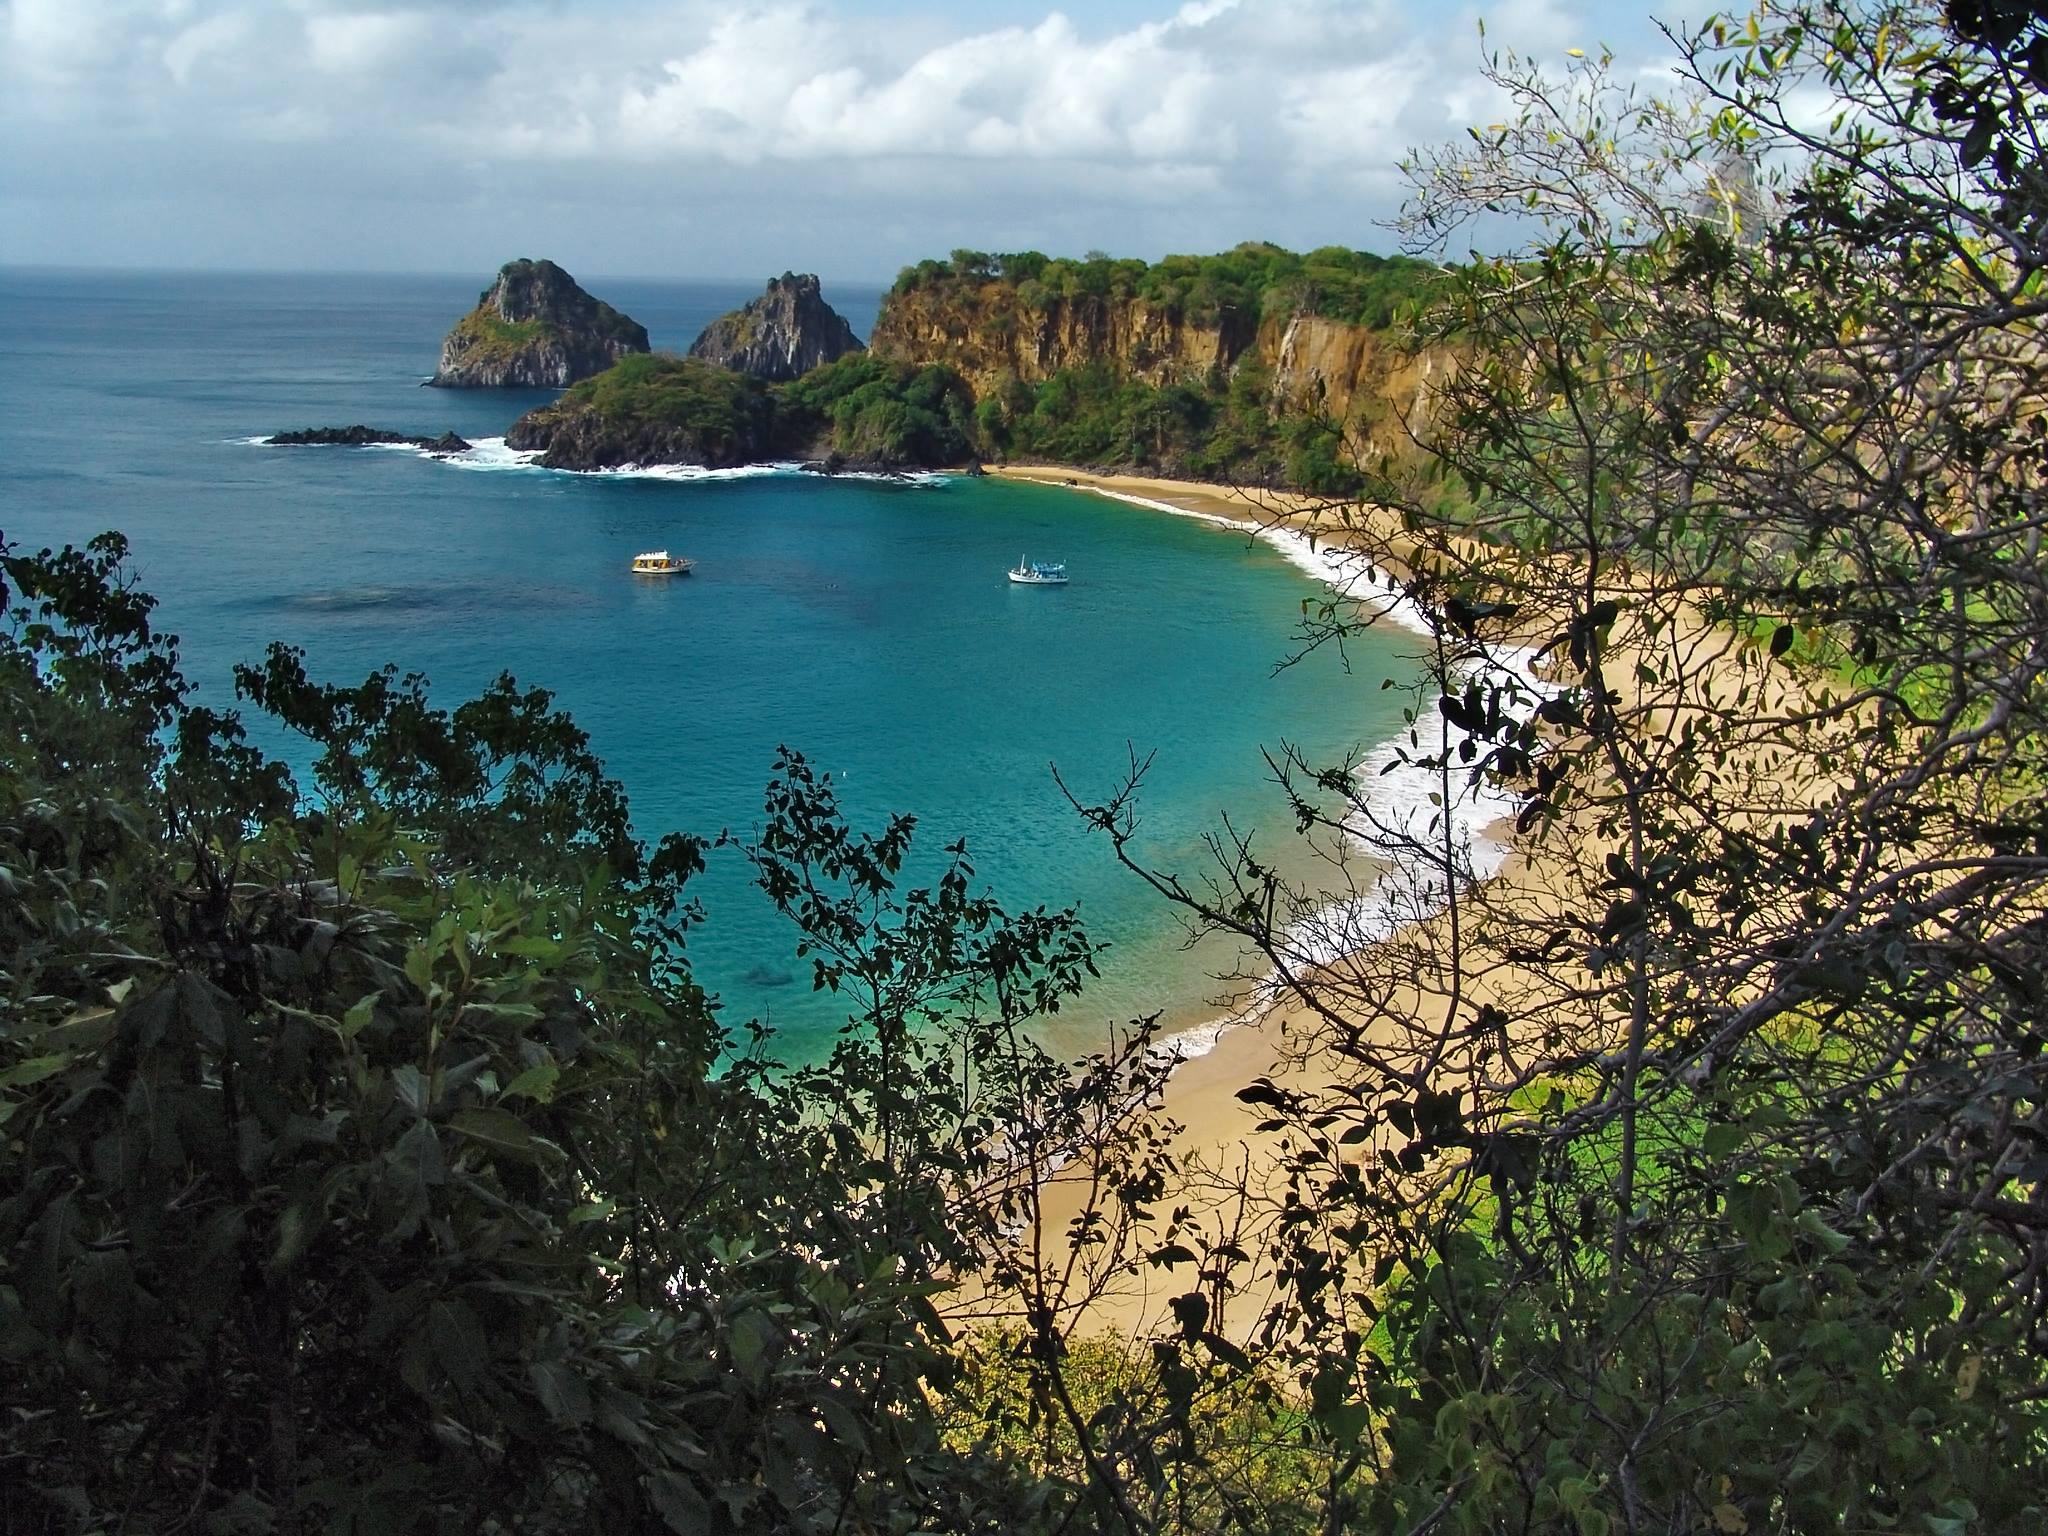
(713, 139)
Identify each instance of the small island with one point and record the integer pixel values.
(535, 328)
(859, 414)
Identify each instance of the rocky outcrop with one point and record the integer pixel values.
(366, 437)
(656, 410)
(780, 336)
(535, 328)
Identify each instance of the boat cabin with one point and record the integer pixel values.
(659, 562)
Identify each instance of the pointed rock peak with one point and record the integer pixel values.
(535, 327)
(782, 335)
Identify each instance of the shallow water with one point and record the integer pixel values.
(866, 624)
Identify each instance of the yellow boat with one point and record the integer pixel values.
(659, 562)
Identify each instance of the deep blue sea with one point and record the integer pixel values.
(868, 625)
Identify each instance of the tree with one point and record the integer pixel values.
(1691, 1176)
(375, 1164)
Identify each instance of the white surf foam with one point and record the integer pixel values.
(1408, 807)
(491, 455)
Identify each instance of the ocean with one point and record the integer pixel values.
(865, 624)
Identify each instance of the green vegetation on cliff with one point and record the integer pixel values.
(725, 417)
(488, 340)
(1256, 365)
(1228, 431)
(660, 408)
(870, 409)
(1252, 281)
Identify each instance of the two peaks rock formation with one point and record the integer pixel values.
(536, 328)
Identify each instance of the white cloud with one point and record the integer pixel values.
(216, 39)
(351, 44)
(1205, 116)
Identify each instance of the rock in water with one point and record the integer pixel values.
(782, 335)
(365, 437)
(535, 328)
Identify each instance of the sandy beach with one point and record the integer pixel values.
(1218, 1144)
(1219, 1147)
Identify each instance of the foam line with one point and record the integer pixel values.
(1405, 800)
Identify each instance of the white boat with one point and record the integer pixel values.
(659, 562)
(1038, 573)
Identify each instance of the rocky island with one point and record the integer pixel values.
(857, 414)
(780, 336)
(535, 328)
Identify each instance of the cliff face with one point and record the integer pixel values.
(534, 327)
(780, 336)
(993, 335)
(1356, 376)
(1364, 380)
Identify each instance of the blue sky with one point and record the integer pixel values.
(713, 138)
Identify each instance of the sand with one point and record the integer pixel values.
(1219, 1146)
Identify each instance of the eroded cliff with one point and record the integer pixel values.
(1174, 328)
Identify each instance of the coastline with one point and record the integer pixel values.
(1214, 1132)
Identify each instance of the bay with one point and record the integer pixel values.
(865, 624)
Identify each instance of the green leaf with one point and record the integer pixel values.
(536, 1083)
(1812, 1457)
(1721, 1138)
(458, 1341)
(748, 1337)
(357, 1019)
(845, 1424)
(501, 1130)
(409, 1086)
(561, 1391)
(682, 1508)
(34, 1070)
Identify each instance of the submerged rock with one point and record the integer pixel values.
(780, 336)
(836, 463)
(535, 328)
(366, 437)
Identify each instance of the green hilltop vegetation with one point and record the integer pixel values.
(372, 1163)
(1250, 282)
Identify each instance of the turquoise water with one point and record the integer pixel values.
(867, 625)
